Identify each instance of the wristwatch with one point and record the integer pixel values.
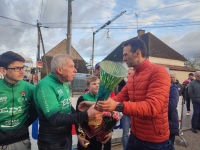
(120, 107)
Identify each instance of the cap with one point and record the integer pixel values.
(97, 65)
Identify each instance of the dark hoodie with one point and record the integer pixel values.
(180, 88)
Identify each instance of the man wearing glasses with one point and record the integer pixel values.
(17, 110)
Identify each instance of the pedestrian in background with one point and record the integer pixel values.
(194, 93)
(186, 95)
(180, 86)
(173, 113)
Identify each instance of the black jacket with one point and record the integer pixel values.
(180, 88)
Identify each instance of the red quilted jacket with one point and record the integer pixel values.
(148, 92)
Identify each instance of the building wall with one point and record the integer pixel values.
(166, 61)
(180, 75)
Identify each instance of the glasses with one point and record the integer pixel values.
(17, 69)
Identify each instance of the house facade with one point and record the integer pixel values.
(157, 52)
(80, 63)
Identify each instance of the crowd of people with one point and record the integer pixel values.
(148, 100)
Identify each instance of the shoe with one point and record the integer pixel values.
(194, 130)
(188, 113)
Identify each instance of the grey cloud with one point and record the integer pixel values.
(188, 45)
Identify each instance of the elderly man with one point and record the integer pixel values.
(53, 103)
(147, 89)
(180, 86)
(194, 93)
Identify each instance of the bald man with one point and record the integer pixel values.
(193, 91)
(180, 86)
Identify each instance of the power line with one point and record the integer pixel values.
(17, 29)
(156, 20)
(159, 22)
(166, 7)
(157, 26)
(44, 10)
(11, 27)
(127, 27)
(41, 11)
(97, 4)
(17, 21)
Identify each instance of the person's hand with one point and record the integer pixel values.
(108, 105)
(85, 105)
(94, 114)
(83, 141)
(107, 137)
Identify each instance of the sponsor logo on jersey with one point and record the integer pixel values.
(60, 92)
(10, 123)
(23, 94)
(3, 99)
(13, 110)
(66, 103)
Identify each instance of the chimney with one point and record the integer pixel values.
(140, 32)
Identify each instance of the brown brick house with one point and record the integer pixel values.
(79, 62)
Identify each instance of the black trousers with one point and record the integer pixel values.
(172, 139)
(188, 102)
(107, 146)
(94, 144)
(63, 144)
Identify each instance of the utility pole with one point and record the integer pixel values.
(94, 32)
(69, 28)
(38, 45)
(44, 56)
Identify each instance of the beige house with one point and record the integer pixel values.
(159, 53)
(80, 63)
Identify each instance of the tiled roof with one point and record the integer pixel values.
(155, 48)
(61, 49)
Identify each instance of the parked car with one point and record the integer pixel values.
(78, 84)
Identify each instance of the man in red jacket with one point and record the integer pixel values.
(145, 98)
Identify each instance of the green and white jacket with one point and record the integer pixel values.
(17, 111)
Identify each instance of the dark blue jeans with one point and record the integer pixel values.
(136, 144)
(126, 127)
(196, 113)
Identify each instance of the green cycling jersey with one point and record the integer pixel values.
(17, 111)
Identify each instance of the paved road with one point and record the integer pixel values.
(186, 123)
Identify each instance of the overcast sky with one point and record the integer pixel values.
(177, 23)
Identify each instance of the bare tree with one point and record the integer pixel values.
(195, 63)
